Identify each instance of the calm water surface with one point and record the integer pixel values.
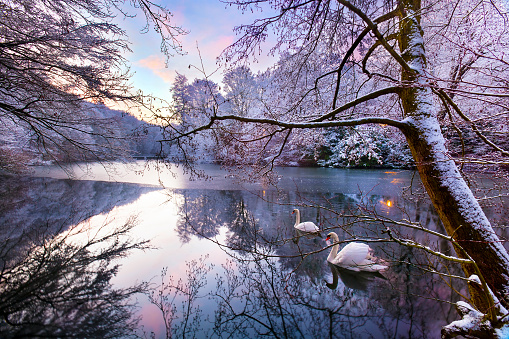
(229, 252)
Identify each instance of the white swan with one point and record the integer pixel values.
(307, 226)
(355, 256)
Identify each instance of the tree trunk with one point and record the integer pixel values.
(457, 207)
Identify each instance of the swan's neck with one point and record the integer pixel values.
(297, 217)
(334, 252)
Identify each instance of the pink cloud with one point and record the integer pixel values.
(218, 45)
(210, 44)
(156, 64)
(178, 18)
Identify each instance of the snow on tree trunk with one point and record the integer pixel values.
(458, 209)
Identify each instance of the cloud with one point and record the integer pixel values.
(210, 47)
(156, 64)
(216, 46)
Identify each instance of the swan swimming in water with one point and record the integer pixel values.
(355, 256)
(306, 227)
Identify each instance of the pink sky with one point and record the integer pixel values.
(210, 23)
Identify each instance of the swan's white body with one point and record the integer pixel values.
(355, 256)
(307, 226)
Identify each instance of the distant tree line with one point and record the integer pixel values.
(19, 147)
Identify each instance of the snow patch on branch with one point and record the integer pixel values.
(502, 332)
(501, 310)
(472, 321)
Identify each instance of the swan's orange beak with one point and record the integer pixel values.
(328, 238)
(293, 212)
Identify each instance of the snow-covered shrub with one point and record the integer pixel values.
(367, 146)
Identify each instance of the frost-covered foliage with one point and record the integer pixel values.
(464, 41)
(353, 148)
(242, 91)
(194, 103)
(467, 44)
(267, 95)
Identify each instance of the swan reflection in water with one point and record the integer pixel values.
(306, 229)
(357, 280)
(355, 264)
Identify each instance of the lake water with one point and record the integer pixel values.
(228, 255)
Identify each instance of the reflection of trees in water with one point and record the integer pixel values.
(275, 286)
(497, 209)
(248, 218)
(260, 298)
(51, 283)
(184, 321)
(492, 192)
(255, 297)
(28, 203)
(59, 285)
(243, 232)
(203, 213)
(417, 301)
(67, 287)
